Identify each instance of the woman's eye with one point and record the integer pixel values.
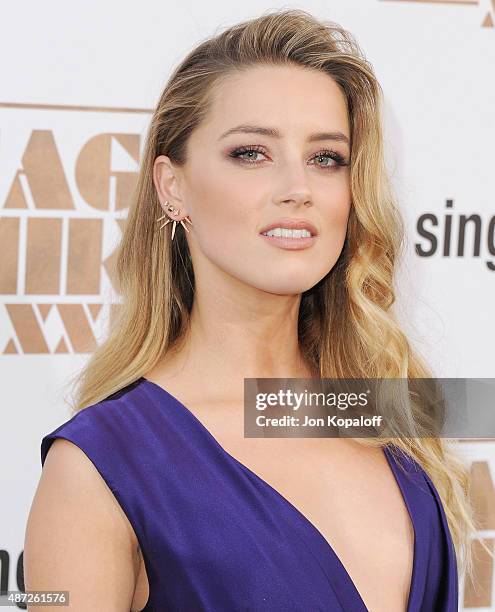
(251, 153)
(239, 152)
(323, 155)
(333, 156)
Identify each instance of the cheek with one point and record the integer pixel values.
(336, 201)
(224, 217)
(335, 216)
(340, 200)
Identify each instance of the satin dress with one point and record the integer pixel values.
(216, 537)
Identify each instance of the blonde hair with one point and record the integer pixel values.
(346, 326)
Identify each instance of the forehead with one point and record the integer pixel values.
(293, 97)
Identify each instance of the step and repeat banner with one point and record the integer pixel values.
(78, 85)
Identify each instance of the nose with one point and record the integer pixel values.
(296, 199)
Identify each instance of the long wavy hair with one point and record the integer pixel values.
(346, 325)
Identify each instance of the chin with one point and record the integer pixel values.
(287, 286)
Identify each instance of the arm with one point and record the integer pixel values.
(78, 538)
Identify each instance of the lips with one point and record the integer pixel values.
(292, 223)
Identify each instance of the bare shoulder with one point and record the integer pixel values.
(78, 538)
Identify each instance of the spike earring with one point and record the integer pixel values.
(175, 212)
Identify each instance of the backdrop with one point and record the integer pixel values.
(78, 83)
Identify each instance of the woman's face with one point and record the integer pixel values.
(235, 184)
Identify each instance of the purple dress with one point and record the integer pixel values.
(216, 537)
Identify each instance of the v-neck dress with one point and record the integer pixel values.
(216, 537)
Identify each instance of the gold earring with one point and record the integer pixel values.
(175, 212)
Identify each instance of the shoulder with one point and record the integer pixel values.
(110, 445)
(76, 461)
(89, 455)
(72, 510)
(71, 480)
(417, 479)
(403, 459)
(99, 427)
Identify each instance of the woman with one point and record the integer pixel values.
(151, 497)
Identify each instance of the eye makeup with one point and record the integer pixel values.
(329, 153)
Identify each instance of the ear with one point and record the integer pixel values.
(166, 183)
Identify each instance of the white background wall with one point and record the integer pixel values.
(435, 62)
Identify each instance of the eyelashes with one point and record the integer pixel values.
(334, 155)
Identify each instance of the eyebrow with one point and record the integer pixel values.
(274, 133)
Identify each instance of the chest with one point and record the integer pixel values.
(352, 498)
(347, 492)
